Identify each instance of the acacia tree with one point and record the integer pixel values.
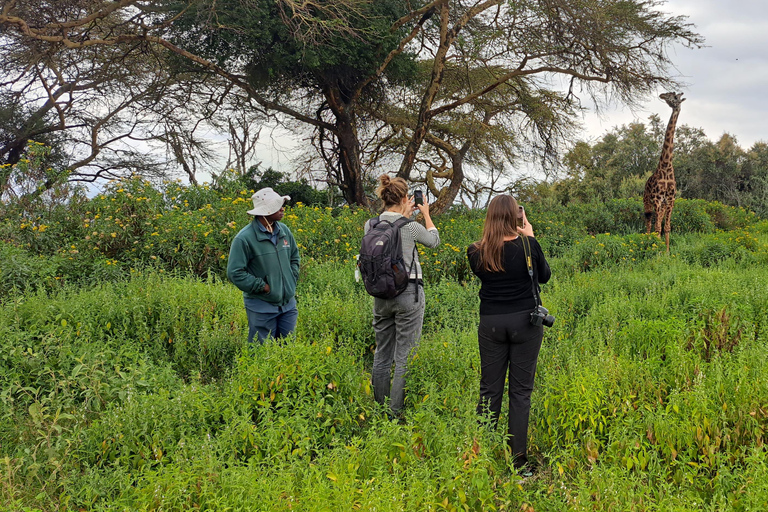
(319, 63)
(507, 125)
(615, 46)
(87, 102)
(105, 107)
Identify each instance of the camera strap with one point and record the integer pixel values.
(529, 264)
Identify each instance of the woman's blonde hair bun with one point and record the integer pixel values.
(391, 190)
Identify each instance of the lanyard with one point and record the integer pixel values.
(529, 264)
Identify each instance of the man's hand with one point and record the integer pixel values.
(266, 288)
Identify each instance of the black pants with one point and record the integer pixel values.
(509, 341)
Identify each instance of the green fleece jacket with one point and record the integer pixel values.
(255, 261)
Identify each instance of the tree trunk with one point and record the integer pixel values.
(349, 148)
(448, 193)
(349, 159)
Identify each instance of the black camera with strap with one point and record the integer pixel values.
(540, 315)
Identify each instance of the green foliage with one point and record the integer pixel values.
(617, 216)
(22, 271)
(32, 177)
(168, 320)
(319, 397)
(334, 307)
(614, 167)
(334, 43)
(691, 216)
(135, 389)
(729, 217)
(609, 250)
(300, 191)
(133, 225)
(740, 246)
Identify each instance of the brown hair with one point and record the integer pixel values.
(391, 190)
(500, 221)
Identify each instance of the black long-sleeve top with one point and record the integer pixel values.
(510, 290)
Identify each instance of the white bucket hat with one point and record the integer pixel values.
(266, 202)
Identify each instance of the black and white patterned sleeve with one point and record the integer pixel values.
(428, 237)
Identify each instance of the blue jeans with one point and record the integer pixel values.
(276, 321)
(397, 323)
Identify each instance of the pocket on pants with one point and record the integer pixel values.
(412, 299)
(507, 328)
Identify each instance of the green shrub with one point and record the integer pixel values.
(126, 388)
(690, 216)
(198, 328)
(332, 306)
(729, 217)
(648, 339)
(296, 400)
(600, 251)
(150, 429)
(710, 250)
(24, 272)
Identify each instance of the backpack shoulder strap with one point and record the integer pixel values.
(402, 221)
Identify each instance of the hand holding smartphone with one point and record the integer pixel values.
(520, 216)
(418, 197)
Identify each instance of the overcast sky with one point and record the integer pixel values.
(727, 81)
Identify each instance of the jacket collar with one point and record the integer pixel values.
(263, 235)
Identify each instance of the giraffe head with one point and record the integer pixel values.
(672, 99)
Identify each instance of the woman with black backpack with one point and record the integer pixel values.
(397, 321)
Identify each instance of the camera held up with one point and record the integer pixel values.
(541, 316)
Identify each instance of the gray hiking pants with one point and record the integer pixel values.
(397, 323)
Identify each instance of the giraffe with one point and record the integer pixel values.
(659, 195)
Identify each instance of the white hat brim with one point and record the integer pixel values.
(265, 209)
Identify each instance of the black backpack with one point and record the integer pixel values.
(381, 259)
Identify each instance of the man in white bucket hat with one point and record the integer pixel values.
(264, 264)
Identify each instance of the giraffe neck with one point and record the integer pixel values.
(665, 162)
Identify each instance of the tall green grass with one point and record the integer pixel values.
(140, 395)
(136, 390)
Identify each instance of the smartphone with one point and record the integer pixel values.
(520, 216)
(418, 197)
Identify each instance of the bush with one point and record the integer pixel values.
(24, 272)
(600, 251)
(198, 328)
(690, 216)
(141, 395)
(189, 229)
(729, 217)
(712, 249)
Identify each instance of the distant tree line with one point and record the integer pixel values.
(619, 163)
(300, 190)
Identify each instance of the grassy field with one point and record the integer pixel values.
(126, 383)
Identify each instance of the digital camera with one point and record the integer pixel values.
(541, 316)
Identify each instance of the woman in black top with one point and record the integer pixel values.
(506, 336)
